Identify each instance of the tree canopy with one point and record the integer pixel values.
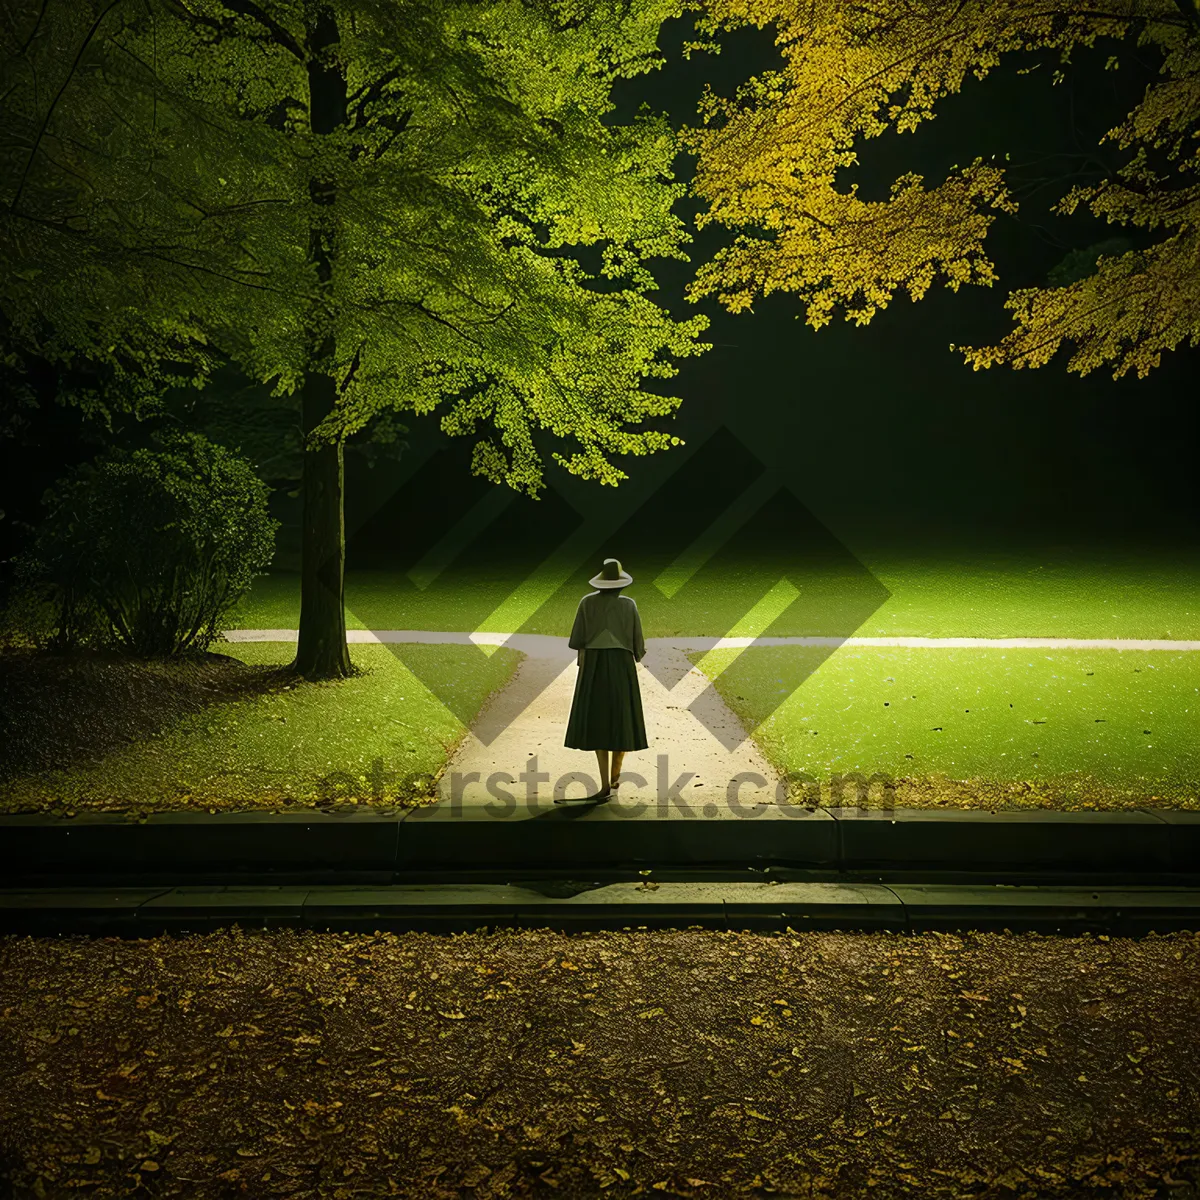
(158, 206)
(768, 159)
(377, 205)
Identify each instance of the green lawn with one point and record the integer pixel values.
(1119, 596)
(1154, 596)
(1026, 727)
(311, 743)
(962, 727)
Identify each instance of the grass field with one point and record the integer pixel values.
(1062, 728)
(967, 728)
(1119, 596)
(1077, 728)
(310, 743)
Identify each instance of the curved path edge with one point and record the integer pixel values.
(543, 645)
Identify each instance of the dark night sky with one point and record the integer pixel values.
(883, 432)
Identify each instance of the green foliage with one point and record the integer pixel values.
(245, 417)
(16, 395)
(163, 189)
(149, 550)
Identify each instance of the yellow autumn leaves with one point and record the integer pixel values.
(768, 159)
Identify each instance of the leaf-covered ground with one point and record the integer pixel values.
(679, 1062)
(239, 732)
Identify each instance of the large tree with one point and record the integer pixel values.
(769, 159)
(372, 203)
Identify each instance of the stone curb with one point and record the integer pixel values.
(899, 908)
(1149, 844)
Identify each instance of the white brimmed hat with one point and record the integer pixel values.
(611, 575)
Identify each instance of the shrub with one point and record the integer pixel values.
(147, 550)
(44, 611)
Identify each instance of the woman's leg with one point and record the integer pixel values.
(602, 759)
(618, 757)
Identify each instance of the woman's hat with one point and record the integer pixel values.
(611, 575)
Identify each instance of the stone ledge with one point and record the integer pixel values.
(442, 908)
(1142, 842)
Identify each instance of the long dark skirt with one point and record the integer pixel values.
(606, 710)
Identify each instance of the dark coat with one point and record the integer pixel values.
(606, 620)
(606, 709)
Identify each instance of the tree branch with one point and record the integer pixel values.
(349, 376)
(369, 93)
(1190, 12)
(246, 8)
(261, 287)
(33, 32)
(49, 111)
(420, 307)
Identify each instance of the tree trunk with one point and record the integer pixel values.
(321, 652)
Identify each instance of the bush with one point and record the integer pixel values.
(146, 550)
(43, 613)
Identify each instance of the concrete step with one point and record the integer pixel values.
(476, 836)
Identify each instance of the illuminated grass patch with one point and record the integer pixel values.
(1100, 726)
(1154, 596)
(378, 737)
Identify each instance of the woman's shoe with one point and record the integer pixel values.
(597, 798)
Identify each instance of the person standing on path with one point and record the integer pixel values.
(606, 710)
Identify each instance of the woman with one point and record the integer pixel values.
(606, 711)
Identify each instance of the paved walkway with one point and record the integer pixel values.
(527, 720)
(535, 643)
